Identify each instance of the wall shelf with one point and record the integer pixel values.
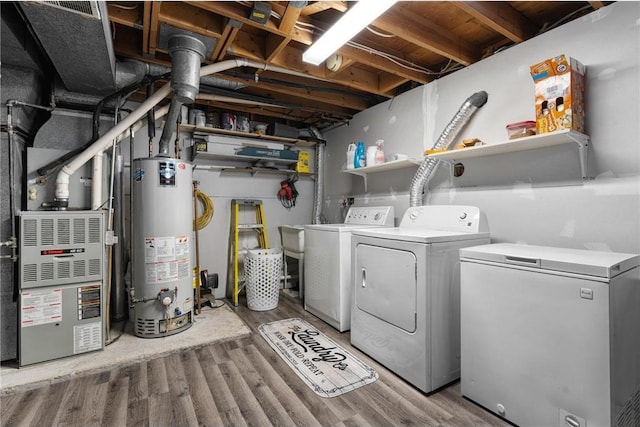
(246, 135)
(253, 171)
(242, 152)
(382, 167)
(198, 156)
(522, 144)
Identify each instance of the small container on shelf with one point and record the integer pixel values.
(521, 129)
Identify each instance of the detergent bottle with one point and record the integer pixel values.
(351, 156)
(379, 152)
(359, 157)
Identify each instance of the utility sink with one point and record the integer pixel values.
(292, 237)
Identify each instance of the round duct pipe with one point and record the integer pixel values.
(186, 55)
(132, 71)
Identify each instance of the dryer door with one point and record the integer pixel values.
(385, 284)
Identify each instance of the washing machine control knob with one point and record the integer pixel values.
(463, 216)
(377, 216)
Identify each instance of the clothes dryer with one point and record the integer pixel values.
(406, 294)
(327, 263)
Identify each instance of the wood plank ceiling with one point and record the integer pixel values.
(413, 43)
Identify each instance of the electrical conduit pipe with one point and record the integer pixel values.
(62, 180)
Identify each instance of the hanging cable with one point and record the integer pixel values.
(203, 220)
(379, 34)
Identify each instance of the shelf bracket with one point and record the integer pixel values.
(364, 178)
(452, 165)
(583, 153)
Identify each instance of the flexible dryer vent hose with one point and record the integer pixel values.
(445, 141)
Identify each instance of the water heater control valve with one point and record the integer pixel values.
(166, 296)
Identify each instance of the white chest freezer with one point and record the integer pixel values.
(551, 336)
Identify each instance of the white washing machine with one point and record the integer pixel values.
(406, 293)
(327, 263)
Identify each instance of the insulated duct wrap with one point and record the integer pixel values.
(445, 141)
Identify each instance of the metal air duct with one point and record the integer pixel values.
(318, 195)
(446, 140)
(77, 38)
(186, 54)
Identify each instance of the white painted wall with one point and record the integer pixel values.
(537, 196)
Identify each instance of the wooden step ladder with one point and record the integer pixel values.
(259, 226)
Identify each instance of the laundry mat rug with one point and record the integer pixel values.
(321, 363)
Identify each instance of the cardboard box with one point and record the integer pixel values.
(285, 131)
(559, 89)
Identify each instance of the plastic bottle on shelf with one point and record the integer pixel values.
(379, 152)
(359, 156)
(371, 155)
(351, 155)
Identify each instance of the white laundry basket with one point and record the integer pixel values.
(262, 270)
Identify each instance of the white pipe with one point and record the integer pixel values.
(96, 181)
(158, 113)
(211, 97)
(62, 180)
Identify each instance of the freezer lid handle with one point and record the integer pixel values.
(516, 260)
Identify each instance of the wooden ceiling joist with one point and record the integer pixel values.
(146, 26)
(326, 97)
(382, 63)
(192, 19)
(422, 36)
(500, 17)
(275, 44)
(412, 30)
(239, 13)
(319, 6)
(128, 16)
(229, 34)
(154, 27)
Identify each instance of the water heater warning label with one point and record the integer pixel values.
(166, 258)
(40, 307)
(160, 272)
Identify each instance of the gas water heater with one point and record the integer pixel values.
(162, 293)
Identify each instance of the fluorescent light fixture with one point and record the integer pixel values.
(351, 23)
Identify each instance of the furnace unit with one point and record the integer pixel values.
(62, 288)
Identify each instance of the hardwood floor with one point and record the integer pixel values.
(236, 383)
